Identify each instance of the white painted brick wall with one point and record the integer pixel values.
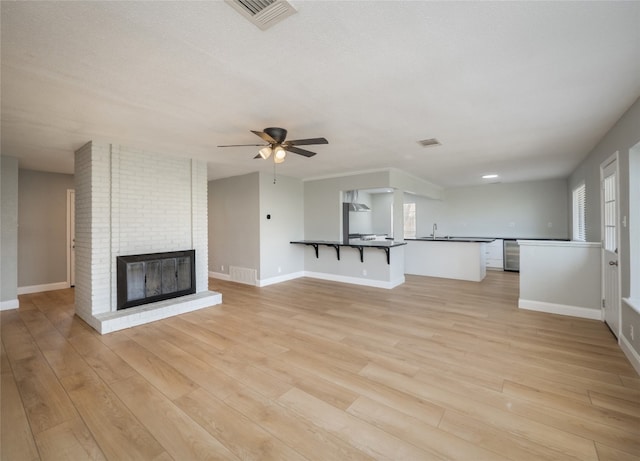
(134, 202)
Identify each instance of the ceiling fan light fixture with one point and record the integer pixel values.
(279, 154)
(265, 152)
(274, 143)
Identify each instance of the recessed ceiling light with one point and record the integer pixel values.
(489, 176)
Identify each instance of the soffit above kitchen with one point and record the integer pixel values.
(525, 89)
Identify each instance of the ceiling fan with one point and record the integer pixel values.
(275, 137)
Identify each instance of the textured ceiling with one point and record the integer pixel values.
(522, 89)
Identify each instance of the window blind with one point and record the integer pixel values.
(579, 214)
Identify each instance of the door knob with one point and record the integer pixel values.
(613, 263)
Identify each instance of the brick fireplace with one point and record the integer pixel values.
(130, 202)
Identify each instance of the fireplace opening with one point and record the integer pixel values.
(147, 278)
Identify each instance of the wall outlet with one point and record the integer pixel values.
(631, 332)
(222, 268)
(364, 272)
(279, 269)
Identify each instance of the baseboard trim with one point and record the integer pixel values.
(631, 353)
(220, 276)
(562, 309)
(355, 280)
(40, 288)
(318, 275)
(9, 304)
(280, 279)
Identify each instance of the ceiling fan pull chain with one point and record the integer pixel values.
(274, 172)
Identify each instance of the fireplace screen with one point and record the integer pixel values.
(154, 277)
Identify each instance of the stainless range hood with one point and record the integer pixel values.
(351, 199)
(358, 207)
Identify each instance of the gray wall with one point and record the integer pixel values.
(42, 227)
(284, 202)
(8, 229)
(623, 136)
(323, 202)
(323, 199)
(240, 233)
(517, 210)
(234, 223)
(563, 274)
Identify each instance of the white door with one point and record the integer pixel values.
(610, 240)
(71, 236)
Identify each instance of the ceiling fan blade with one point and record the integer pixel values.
(264, 136)
(307, 142)
(295, 150)
(241, 145)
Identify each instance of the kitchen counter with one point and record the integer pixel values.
(460, 258)
(353, 243)
(356, 267)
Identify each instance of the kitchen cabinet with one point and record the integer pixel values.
(495, 254)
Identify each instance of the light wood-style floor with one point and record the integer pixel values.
(308, 369)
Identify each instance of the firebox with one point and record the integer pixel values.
(147, 278)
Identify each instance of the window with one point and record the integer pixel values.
(579, 214)
(409, 220)
(610, 219)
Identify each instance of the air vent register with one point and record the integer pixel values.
(263, 13)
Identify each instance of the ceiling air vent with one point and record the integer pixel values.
(429, 142)
(263, 13)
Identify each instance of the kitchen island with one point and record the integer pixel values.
(458, 258)
(358, 261)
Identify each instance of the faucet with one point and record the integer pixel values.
(435, 227)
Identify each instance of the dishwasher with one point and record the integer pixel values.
(511, 255)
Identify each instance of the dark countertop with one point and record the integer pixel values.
(454, 239)
(481, 239)
(353, 243)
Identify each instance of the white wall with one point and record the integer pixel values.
(538, 209)
(133, 202)
(376, 221)
(381, 213)
(8, 232)
(361, 222)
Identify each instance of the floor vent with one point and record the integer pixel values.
(263, 13)
(243, 275)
